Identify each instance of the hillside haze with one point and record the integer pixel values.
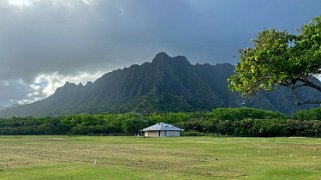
(163, 85)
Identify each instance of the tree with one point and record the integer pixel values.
(280, 58)
(132, 126)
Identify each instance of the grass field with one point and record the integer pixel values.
(63, 157)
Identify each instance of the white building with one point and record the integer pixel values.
(162, 129)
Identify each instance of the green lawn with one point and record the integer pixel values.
(63, 157)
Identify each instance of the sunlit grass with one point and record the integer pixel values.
(63, 157)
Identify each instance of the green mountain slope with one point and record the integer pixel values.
(165, 84)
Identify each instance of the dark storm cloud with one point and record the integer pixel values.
(46, 38)
(11, 91)
(76, 36)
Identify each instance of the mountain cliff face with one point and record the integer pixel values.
(165, 84)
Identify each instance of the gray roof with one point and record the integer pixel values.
(162, 127)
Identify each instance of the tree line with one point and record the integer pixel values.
(246, 122)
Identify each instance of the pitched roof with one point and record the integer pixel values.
(162, 127)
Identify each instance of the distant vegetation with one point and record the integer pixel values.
(222, 121)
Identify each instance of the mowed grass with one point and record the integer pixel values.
(64, 157)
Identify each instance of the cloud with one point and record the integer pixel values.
(28, 3)
(45, 85)
(59, 39)
(11, 91)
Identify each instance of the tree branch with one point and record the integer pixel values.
(307, 102)
(301, 85)
(297, 99)
(310, 84)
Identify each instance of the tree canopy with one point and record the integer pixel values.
(220, 121)
(280, 58)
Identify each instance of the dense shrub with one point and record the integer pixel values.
(227, 122)
(192, 133)
(235, 114)
(311, 114)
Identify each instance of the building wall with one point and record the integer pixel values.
(161, 133)
(170, 133)
(173, 133)
(151, 133)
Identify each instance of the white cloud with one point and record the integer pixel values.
(88, 1)
(66, 3)
(45, 85)
(27, 101)
(5, 83)
(21, 3)
(13, 90)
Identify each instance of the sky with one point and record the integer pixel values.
(45, 43)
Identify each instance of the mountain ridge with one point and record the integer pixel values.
(164, 84)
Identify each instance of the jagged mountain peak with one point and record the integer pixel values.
(164, 59)
(161, 57)
(69, 85)
(165, 84)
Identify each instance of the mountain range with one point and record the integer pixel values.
(163, 85)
